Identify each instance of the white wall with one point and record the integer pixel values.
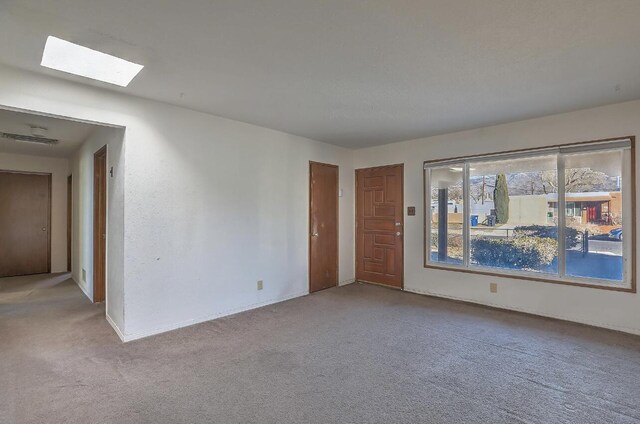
(211, 205)
(610, 309)
(82, 234)
(59, 170)
(528, 209)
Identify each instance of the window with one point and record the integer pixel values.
(570, 208)
(65, 56)
(500, 214)
(446, 214)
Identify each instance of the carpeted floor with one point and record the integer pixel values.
(355, 354)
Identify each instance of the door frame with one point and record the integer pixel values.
(99, 292)
(49, 178)
(69, 219)
(337, 222)
(355, 265)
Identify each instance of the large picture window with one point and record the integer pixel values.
(562, 214)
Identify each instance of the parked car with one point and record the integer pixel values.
(616, 233)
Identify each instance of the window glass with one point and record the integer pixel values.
(556, 214)
(447, 212)
(512, 222)
(594, 231)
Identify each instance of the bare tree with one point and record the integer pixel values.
(526, 183)
(481, 188)
(455, 193)
(577, 180)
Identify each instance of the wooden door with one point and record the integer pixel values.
(379, 225)
(69, 219)
(25, 215)
(99, 223)
(323, 226)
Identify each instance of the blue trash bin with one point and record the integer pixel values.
(474, 220)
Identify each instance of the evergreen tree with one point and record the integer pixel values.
(501, 199)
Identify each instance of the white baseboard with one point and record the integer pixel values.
(135, 336)
(115, 327)
(345, 282)
(528, 311)
(82, 288)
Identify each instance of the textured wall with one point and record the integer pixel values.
(210, 205)
(592, 306)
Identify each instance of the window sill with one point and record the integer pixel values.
(520, 276)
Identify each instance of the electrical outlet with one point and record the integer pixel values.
(260, 284)
(84, 275)
(493, 287)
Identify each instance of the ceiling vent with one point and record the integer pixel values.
(37, 136)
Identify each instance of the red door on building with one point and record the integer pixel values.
(592, 214)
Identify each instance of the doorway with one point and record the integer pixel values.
(323, 226)
(99, 224)
(25, 222)
(380, 225)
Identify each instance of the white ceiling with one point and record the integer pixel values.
(69, 133)
(352, 73)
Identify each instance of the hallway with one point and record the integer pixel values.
(48, 332)
(51, 309)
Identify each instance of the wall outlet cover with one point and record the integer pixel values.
(493, 287)
(260, 284)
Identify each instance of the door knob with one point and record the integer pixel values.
(44, 228)
(398, 233)
(314, 235)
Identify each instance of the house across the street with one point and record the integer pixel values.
(597, 207)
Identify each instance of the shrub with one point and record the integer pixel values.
(547, 231)
(454, 244)
(517, 252)
(455, 241)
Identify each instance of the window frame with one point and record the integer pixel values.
(629, 278)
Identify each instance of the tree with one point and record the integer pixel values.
(480, 188)
(578, 180)
(455, 193)
(525, 184)
(501, 199)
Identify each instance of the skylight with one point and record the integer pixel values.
(68, 57)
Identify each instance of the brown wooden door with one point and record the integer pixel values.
(323, 226)
(99, 223)
(379, 225)
(25, 210)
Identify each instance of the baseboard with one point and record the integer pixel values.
(82, 288)
(135, 336)
(345, 282)
(115, 327)
(629, 330)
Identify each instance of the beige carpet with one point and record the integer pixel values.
(355, 354)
